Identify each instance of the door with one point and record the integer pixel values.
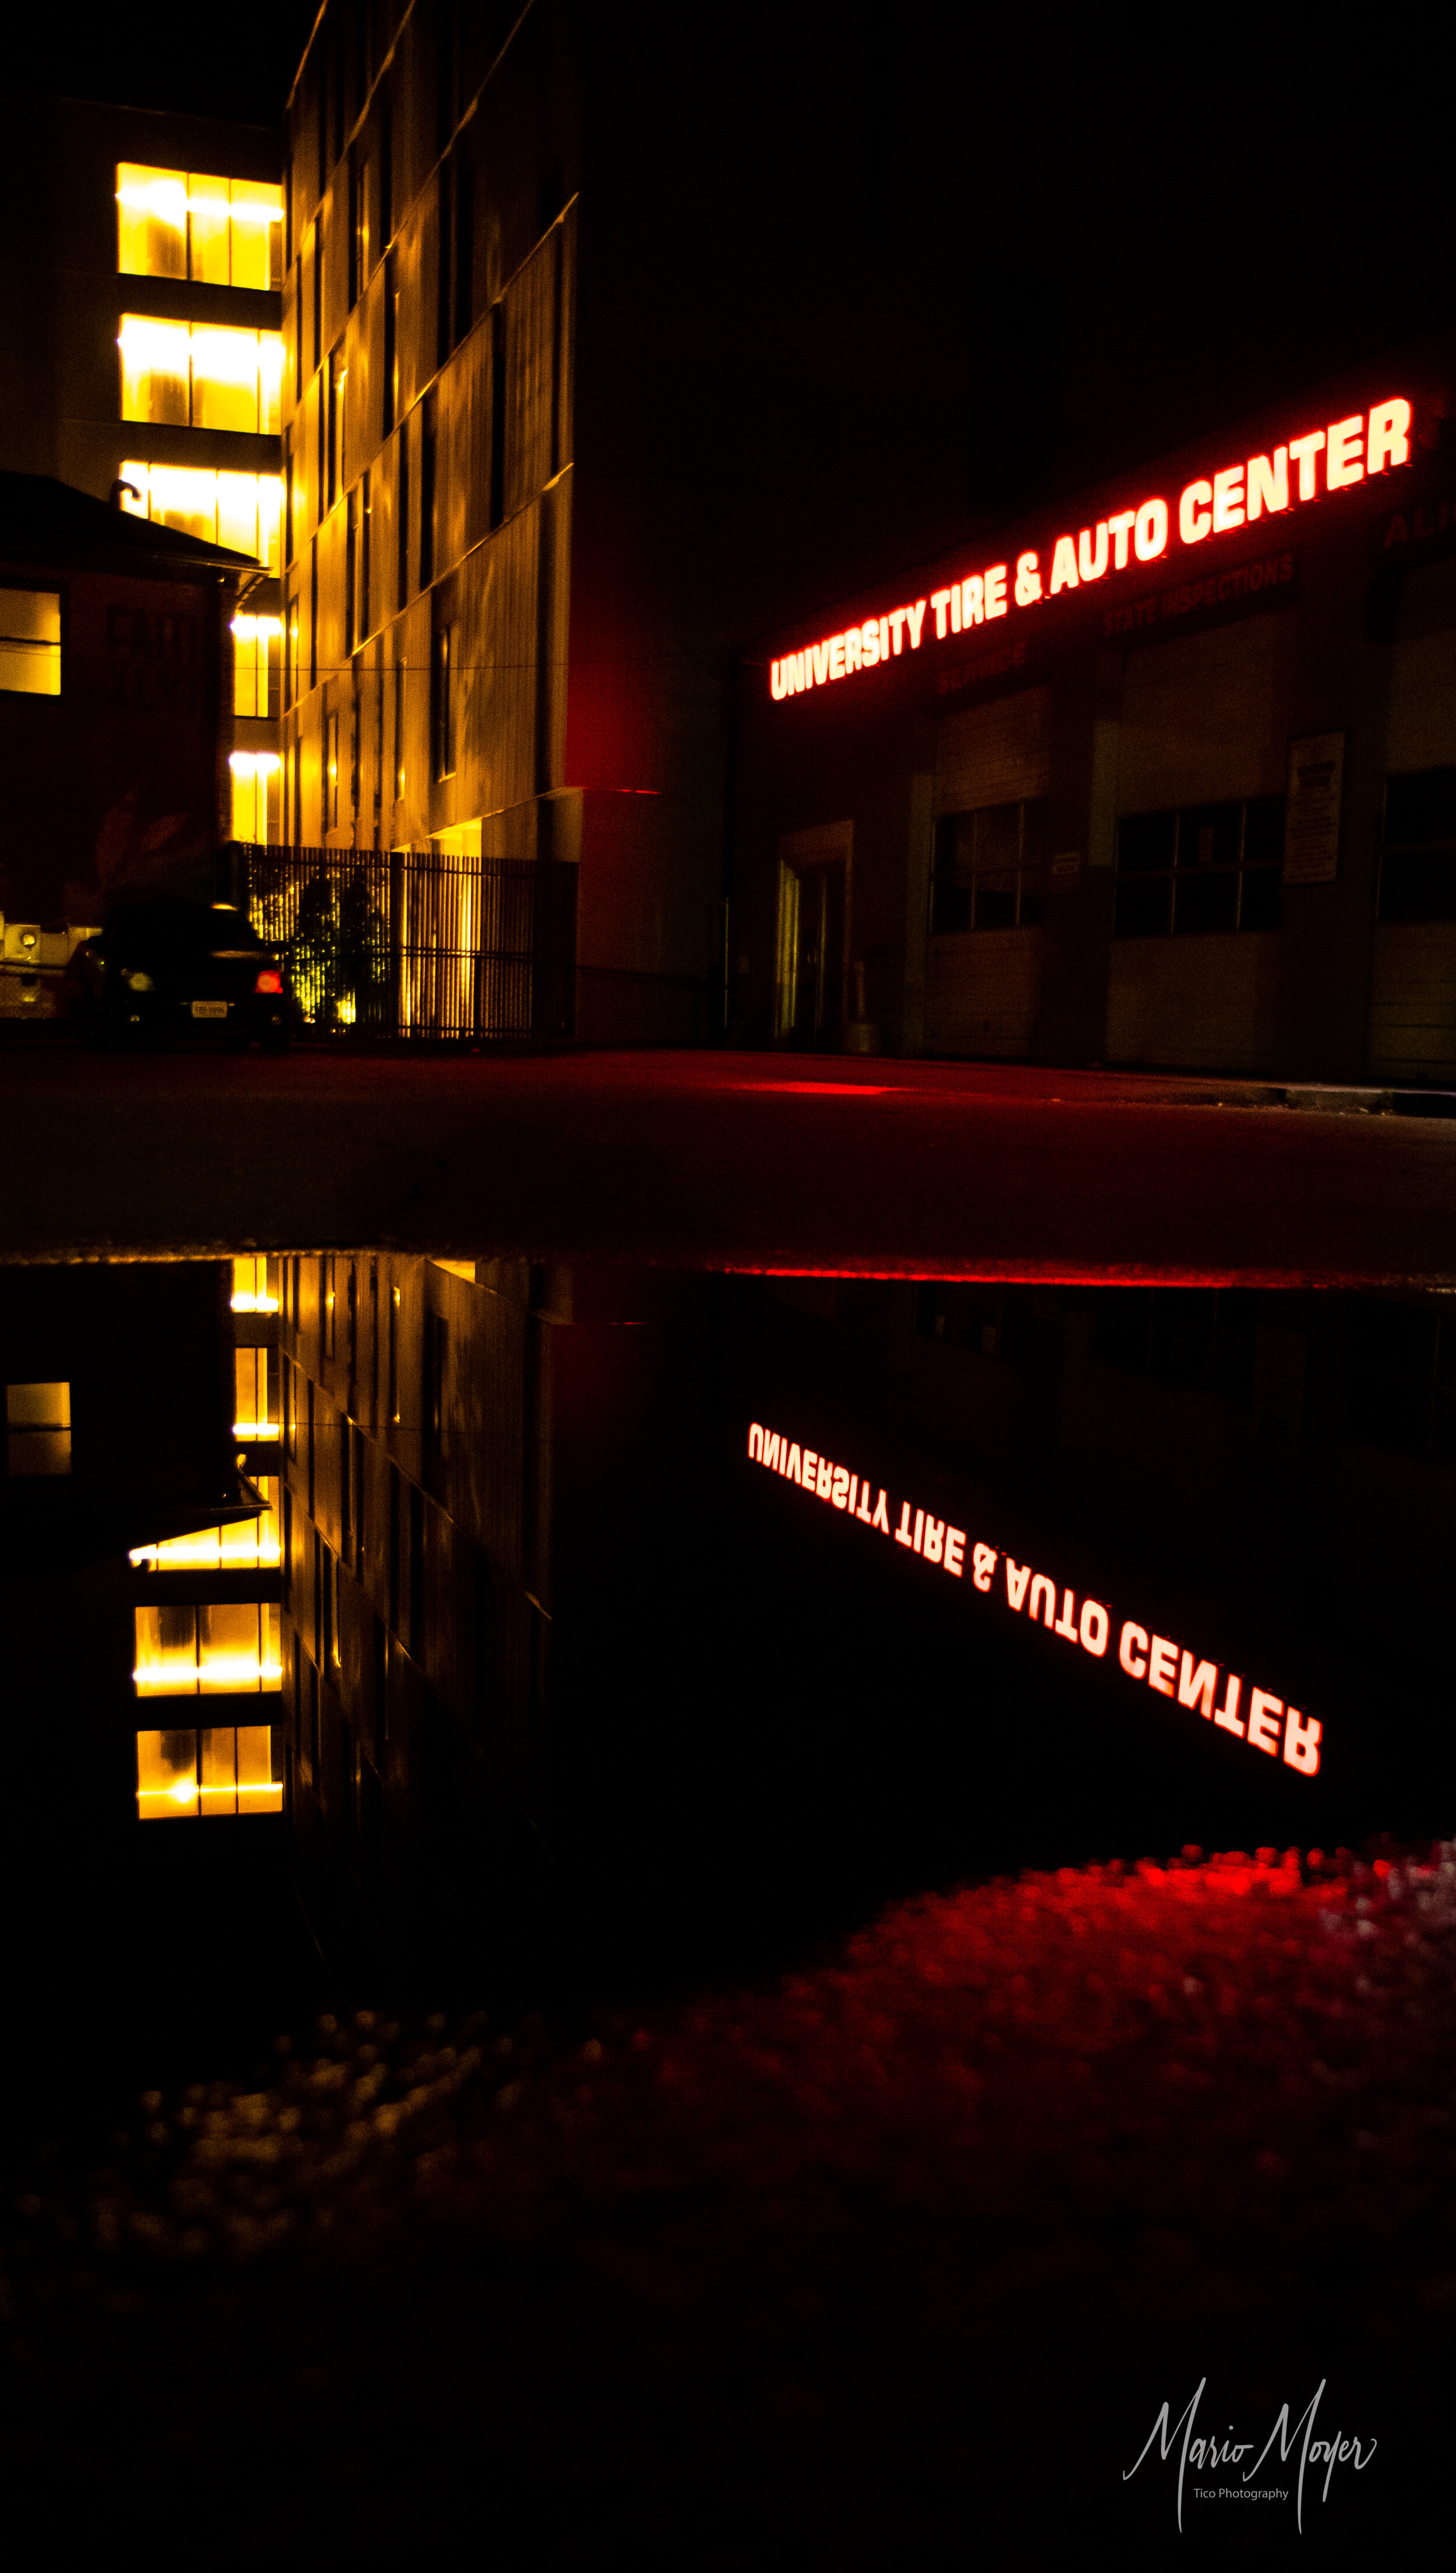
(813, 955)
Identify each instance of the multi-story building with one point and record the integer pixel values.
(142, 284)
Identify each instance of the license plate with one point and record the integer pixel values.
(209, 1009)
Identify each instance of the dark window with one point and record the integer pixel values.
(1195, 1335)
(353, 627)
(401, 520)
(498, 414)
(988, 868)
(428, 495)
(443, 194)
(338, 373)
(356, 731)
(394, 1569)
(442, 699)
(436, 1341)
(1204, 869)
(1402, 1379)
(463, 281)
(1418, 846)
(417, 1570)
(359, 228)
(392, 349)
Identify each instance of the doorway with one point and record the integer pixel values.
(813, 959)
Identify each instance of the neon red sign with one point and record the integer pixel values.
(1158, 1662)
(1234, 495)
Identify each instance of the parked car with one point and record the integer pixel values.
(170, 968)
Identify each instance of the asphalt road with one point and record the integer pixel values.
(717, 1160)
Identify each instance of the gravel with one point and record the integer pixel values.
(921, 2233)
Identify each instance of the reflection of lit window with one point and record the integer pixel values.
(199, 376)
(38, 1428)
(256, 1414)
(176, 223)
(240, 510)
(255, 1284)
(233, 1647)
(255, 797)
(242, 1547)
(222, 1769)
(30, 642)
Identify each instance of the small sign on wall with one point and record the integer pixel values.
(1312, 808)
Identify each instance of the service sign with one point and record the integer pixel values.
(1267, 492)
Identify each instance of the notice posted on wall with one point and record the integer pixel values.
(1312, 809)
(1189, 1678)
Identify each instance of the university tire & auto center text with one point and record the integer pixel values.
(1153, 1661)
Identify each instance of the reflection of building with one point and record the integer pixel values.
(114, 732)
(465, 1571)
(143, 268)
(207, 1613)
(551, 1630)
(143, 1582)
(1165, 775)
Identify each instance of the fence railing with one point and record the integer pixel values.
(399, 943)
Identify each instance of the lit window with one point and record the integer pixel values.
(241, 511)
(38, 1429)
(232, 1649)
(256, 1414)
(220, 1769)
(30, 642)
(255, 654)
(244, 1545)
(255, 1284)
(255, 800)
(196, 374)
(177, 222)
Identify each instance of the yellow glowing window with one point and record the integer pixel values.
(242, 1546)
(200, 376)
(181, 223)
(234, 1648)
(30, 642)
(38, 1429)
(218, 1769)
(255, 1284)
(256, 1414)
(241, 511)
(256, 796)
(257, 646)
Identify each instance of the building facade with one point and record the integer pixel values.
(116, 720)
(1163, 776)
(140, 293)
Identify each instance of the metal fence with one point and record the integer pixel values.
(400, 943)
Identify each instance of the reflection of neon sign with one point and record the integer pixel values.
(1155, 1661)
(1302, 469)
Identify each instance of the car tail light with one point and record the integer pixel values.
(269, 980)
